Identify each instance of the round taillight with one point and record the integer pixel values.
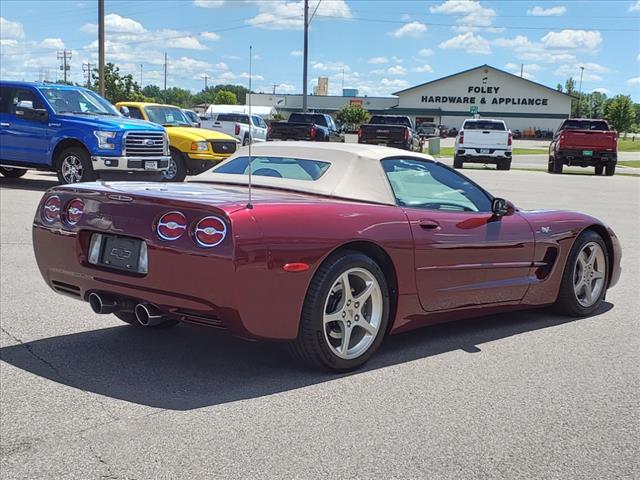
(51, 209)
(75, 209)
(210, 231)
(171, 226)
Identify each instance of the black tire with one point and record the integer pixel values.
(311, 345)
(610, 169)
(567, 303)
(550, 165)
(457, 162)
(504, 164)
(245, 141)
(11, 172)
(73, 165)
(557, 166)
(599, 169)
(177, 170)
(130, 318)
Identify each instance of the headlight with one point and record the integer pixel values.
(105, 139)
(199, 146)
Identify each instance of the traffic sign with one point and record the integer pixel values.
(473, 110)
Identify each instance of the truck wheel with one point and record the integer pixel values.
(245, 141)
(503, 164)
(457, 162)
(557, 165)
(73, 165)
(550, 165)
(10, 172)
(610, 169)
(177, 170)
(599, 169)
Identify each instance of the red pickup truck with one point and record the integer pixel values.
(584, 142)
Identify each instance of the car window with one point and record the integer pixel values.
(422, 184)
(483, 125)
(166, 116)
(585, 125)
(280, 167)
(233, 117)
(134, 112)
(25, 98)
(316, 118)
(388, 120)
(5, 94)
(78, 102)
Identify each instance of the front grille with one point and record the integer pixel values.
(144, 144)
(223, 147)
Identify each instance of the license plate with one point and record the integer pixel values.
(150, 165)
(587, 153)
(382, 144)
(484, 150)
(120, 252)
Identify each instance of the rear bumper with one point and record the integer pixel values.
(129, 164)
(393, 144)
(578, 159)
(197, 166)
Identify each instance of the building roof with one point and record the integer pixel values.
(355, 172)
(476, 68)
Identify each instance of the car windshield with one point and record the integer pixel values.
(79, 102)
(167, 116)
(483, 125)
(279, 167)
(585, 125)
(233, 117)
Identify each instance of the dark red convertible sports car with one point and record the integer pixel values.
(340, 245)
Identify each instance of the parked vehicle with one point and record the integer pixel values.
(584, 142)
(192, 117)
(391, 131)
(453, 131)
(237, 126)
(428, 130)
(341, 245)
(316, 127)
(483, 141)
(75, 133)
(193, 150)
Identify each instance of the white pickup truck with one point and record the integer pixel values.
(483, 140)
(237, 125)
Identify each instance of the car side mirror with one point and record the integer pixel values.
(502, 208)
(30, 113)
(125, 111)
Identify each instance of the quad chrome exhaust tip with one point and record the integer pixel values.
(148, 315)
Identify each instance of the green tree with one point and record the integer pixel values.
(352, 116)
(225, 97)
(179, 97)
(153, 92)
(620, 113)
(597, 101)
(117, 87)
(559, 87)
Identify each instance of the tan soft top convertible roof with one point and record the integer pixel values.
(355, 172)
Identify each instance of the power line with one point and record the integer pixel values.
(64, 66)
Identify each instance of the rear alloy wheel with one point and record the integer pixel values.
(11, 172)
(177, 169)
(599, 169)
(130, 318)
(457, 162)
(345, 314)
(74, 165)
(584, 281)
(610, 169)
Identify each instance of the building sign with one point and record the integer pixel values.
(477, 95)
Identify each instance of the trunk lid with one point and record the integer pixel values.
(383, 133)
(486, 138)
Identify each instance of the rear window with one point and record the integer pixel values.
(233, 117)
(381, 120)
(483, 125)
(279, 167)
(308, 118)
(585, 125)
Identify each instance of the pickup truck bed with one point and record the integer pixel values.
(391, 131)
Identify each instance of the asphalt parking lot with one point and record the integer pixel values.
(522, 395)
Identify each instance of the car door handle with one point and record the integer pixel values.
(429, 224)
(4, 124)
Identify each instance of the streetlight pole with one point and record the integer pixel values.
(306, 51)
(101, 47)
(580, 90)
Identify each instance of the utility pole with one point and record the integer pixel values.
(521, 70)
(86, 68)
(165, 72)
(101, 47)
(206, 77)
(274, 88)
(140, 75)
(64, 56)
(580, 91)
(305, 55)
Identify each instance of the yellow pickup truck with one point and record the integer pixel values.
(193, 150)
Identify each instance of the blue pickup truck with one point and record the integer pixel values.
(76, 133)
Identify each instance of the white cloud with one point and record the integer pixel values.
(468, 42)
(296, 53)
(527, 69)
(208, 3)
(285, 88)
(423, 69)
(378, 60)
(210, 35)
(188, 43)
(396, 59)
(52, 43)
(8, 42)
(591, 71)
(330, 66)
(547, 12)
(635, 7)
(413, 29)
(425, 52)
(634, 81)
(584, 39)
(471, 14)
(283, 15)
(517, 41)
(397, 70)
(9, 29)
(378, 71)
(606, 91)
(393, 84)
(546, 57)
(114, 23)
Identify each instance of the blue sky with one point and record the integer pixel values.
(378, 47)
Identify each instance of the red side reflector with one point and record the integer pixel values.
(295, 267)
